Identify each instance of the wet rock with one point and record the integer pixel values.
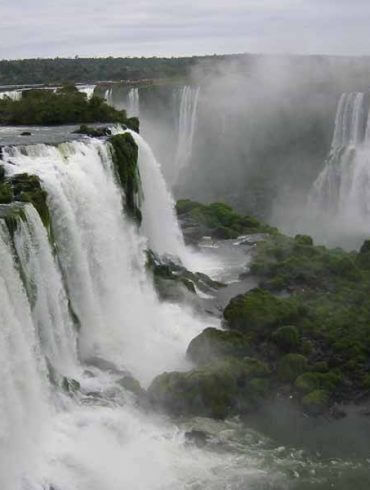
(213, 344)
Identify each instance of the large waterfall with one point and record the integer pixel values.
(341, 193)
(95, 272)
(189, 97)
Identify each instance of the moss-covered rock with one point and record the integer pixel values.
(93, 132)
(287, 338)
(131, 384)
(311, 381)
(213, 344)
(125, 159)
(27, 188)
(6, 193)
(291, 366)
(171, 278)
(133, 123)
(316, 402)
(217, 220)
(303, 240)
(258, 311)
(12, 214)
(214, 390)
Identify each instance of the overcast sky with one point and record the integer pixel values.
(49, 28)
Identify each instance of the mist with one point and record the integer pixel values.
(264, 127)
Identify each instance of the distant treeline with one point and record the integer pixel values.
(61, 70)
(315, 69)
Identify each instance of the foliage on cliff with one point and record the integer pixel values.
(217, 220)
(125, 159)
(308, 323)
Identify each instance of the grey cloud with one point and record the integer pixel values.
(177, 27)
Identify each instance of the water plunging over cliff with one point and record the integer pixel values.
(341, 193)
(11, 94)
(87, 89)
(189, 99)
(133, 106)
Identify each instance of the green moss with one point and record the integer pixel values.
(258, 311)
(311, 381)
(125, 159)
(27, 188)
(133, 123)
(316, 402)
(212, 344)
(213, 390)
(290, 366)
(303, 240)
(286, 338)
(220, 220)
(6, 193)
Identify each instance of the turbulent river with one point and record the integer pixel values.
(54, 436)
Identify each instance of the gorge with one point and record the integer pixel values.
(148, 344)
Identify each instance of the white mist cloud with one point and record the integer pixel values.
(178, 27)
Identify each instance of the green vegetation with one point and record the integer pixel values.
(212, 344)
(66, 106)
(258, 312)
(217, 390)
(26, 189)
(217, 220)
(307, 327)
(125, 157)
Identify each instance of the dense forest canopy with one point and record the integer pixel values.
(61, 70)
(58, 70)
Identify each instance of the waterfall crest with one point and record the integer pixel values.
(11, 94)
(87, 89)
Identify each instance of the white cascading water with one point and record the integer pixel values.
(189, 98)
(107, 284)
(159, 223)
(50, 312)
(341, 193)
(87, 89)
(100, 259)
(24, 394)
(133, 102)
(108, 96)
(11, 94)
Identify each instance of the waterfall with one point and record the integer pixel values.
(50, 312)
(341, 193)
(189, 98)
(133, 103)
(24, 386)
(107, 283)
(90, 265)
(87, 89)
(108, 96)
(160, 224)
(11, 94)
